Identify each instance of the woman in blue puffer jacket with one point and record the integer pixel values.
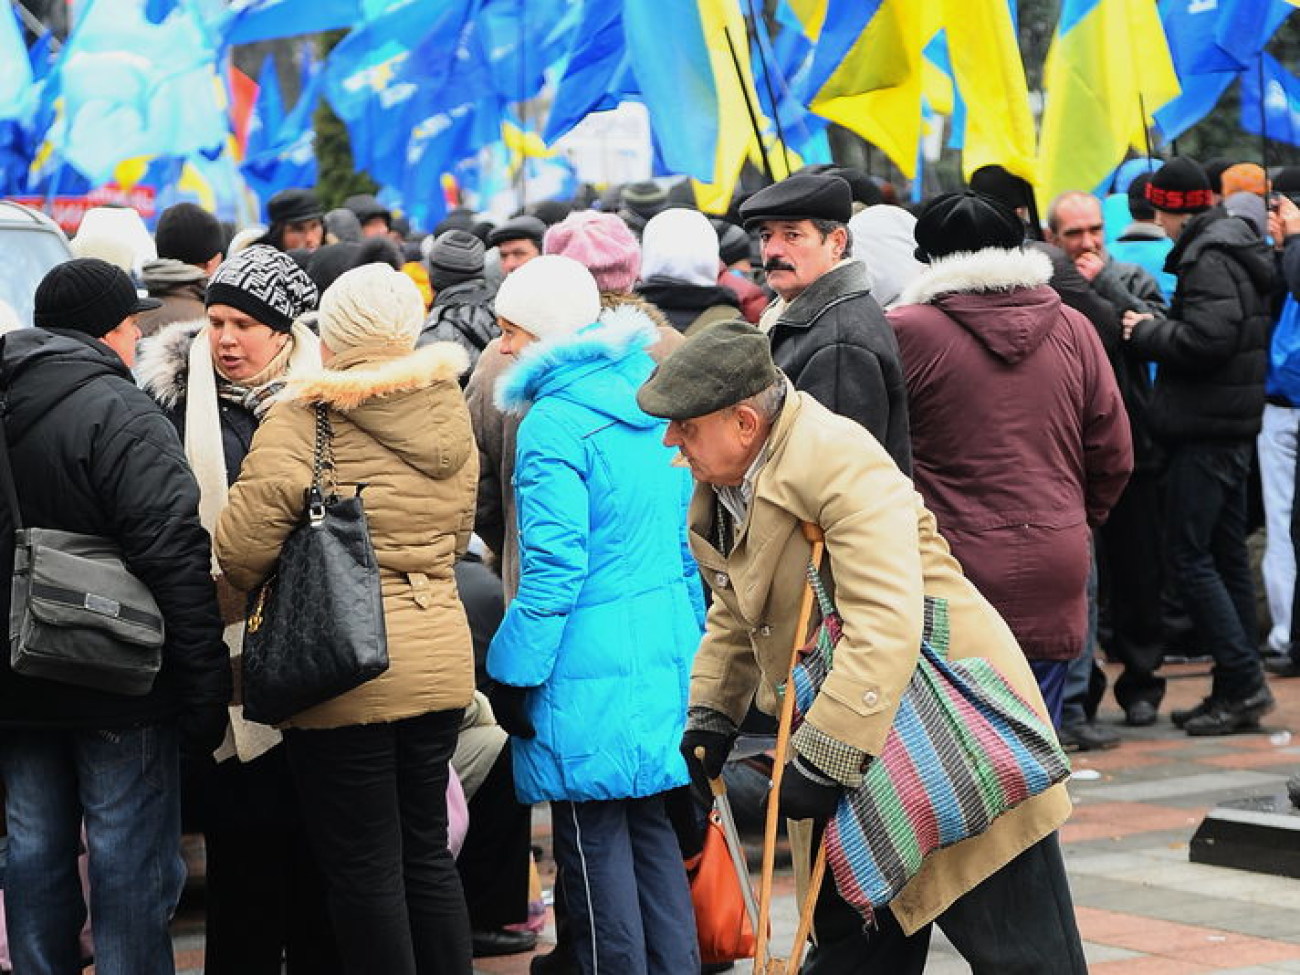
(593, 658)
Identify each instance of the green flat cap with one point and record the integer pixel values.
(717, 367)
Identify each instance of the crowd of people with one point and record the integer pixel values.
(588, 437)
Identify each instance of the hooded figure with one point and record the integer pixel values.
(1020, 441)
(679, 270)
(606, 620)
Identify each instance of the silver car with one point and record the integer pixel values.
(30, 244)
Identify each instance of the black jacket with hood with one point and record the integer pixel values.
(91, 453)
(1212, 350)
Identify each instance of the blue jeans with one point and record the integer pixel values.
(625, 888)
(1205, 518)
(125, 784)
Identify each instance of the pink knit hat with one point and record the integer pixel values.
(602, 242)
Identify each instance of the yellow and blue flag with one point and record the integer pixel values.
(1107, 71)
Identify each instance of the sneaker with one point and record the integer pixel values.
(1227, 717)
(1086, 736)
(1181, 716)
(1282, 667)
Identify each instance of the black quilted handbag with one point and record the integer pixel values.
(316, 625)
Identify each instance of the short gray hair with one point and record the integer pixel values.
(827, 227)
(767, 403)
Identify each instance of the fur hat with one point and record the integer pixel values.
(371, 305)
(965, 222)
(1180, 186)
(265, 284)
(601, 243)
(550, 295)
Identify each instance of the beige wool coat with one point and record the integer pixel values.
(884, 556)
(400, 427)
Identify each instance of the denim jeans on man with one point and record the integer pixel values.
(125, 784)
(1205, 518)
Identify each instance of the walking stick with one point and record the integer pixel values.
(764, 963)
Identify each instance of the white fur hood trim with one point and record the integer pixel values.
(991, 269)
(163, 365)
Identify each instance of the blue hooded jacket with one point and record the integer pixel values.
(609, 611)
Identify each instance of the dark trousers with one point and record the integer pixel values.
(1295, 543)
(495, 857)
(1020, 921)
(1131, 554)
(1205, 516)
(374, 798)
(625, 888)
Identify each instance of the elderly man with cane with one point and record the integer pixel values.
(905, 645)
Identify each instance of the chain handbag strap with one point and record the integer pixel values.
(324, 475)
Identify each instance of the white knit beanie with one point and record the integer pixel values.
(682, 245)
(371, 305)
(550, 295)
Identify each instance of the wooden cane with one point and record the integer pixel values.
(764, 964)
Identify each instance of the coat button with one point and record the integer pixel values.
(765, 630)
(870, 698)
(721, 580)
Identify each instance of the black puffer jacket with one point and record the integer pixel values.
(92, 454)
(462, 314)
(1212, 350)
(683, 303)
(833, 341)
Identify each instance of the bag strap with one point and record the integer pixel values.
(322, 466)
(7, 474)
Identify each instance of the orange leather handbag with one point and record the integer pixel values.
(721, 919)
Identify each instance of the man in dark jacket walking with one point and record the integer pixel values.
(462, 302)
(91, 453)
(1206, 409)
(829, 335)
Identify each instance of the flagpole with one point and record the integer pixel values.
(749, 105)
(771, 95)
(521, 189)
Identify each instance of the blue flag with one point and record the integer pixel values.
(522, 38)
(261, 20)
(597, 73)
(15, 68)
(1210, 44)
(288, 158)
(1273, 109)
(268, 110)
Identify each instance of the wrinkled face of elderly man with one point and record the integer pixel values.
(798, 252)
(719, 447)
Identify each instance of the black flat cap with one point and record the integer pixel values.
(292, 206)
(965, 222)
(803, 197)
(520, 228)
(715, 368)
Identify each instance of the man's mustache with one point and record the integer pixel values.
(776, 264)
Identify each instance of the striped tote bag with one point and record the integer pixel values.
(964, 749)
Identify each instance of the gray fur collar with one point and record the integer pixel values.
(163, 364)
(991, 269)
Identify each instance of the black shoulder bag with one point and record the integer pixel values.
(76, 613)
(316, 626)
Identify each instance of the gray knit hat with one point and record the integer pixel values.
(455, 256)
(715, 368)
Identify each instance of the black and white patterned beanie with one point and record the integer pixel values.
(265, 284)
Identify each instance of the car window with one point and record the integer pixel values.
(25, 256)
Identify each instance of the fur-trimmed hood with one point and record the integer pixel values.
(604, 354)
(403, 400)
(361, 375)
(1000, 296)
(162, 365)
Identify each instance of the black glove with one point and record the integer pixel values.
(202, 729)
(807, 792)
(716, 745)
(509, 706)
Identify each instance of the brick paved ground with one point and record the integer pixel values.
(1143, 908)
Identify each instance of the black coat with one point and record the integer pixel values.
(93, 454)
(683, 303)
(833, 342)
(1212, 350)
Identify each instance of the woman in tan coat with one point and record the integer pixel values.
(371, 764)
